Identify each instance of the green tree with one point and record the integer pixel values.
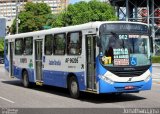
(33, 17)
(83, 12)
(1, 46)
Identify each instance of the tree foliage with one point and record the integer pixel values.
(83, 12)
(1, 46)
(34, 16)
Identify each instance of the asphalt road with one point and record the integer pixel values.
(14, 95)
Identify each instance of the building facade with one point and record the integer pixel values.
(8, 7)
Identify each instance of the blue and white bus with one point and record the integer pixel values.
(97, 57)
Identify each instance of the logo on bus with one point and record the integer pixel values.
(55, 62)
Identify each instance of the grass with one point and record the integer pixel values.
(156, 59)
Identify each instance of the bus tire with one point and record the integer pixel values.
(73, 87)
(25, 79)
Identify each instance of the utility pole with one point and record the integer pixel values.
(17, 20)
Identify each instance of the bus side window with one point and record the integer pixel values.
(19, 46)
(59, 44)
(48, 44)
(28, 46)
(74, 43)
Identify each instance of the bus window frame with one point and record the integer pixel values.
(54, 46)
(22, 48)
(68, 40)
(25, 45)
(52, 43)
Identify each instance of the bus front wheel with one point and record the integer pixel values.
(73, 87)
(25, 79)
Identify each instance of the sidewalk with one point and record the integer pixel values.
(156, 64)
(1, 65)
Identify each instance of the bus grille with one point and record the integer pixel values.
(129, 73)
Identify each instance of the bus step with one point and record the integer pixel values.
(91, 91)
(11, 76)
(40, 83)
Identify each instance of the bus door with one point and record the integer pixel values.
(91, 61)
(11, 45)
(38, 60)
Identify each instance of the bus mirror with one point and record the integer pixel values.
(98, 41)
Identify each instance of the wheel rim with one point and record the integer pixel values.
(74, 87)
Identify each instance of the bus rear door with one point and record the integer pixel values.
(38, 61)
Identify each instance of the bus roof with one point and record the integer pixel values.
(89, 25)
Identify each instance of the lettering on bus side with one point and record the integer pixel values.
(55, 62)
(23, 60)
(71, 60)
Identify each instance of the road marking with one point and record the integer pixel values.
(6, 99)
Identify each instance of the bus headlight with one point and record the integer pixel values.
(148, 78)
(106, 79)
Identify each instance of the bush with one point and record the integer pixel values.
(156, 59)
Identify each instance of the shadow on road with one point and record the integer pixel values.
(87, 97)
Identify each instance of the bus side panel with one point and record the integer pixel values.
(31, 75)
(59, 78)
(6, 62)
(54, 78)
(17, 72)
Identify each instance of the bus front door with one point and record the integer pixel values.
(38, 61)
(91, 62)
(11, 69)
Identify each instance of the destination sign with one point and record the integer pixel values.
(124, 28)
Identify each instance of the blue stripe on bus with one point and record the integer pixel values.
(54, 78)
(6, 63)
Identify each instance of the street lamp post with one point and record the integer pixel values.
(17, 17)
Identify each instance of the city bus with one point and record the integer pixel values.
(97, 57)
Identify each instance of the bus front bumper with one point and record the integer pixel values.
(124, 87)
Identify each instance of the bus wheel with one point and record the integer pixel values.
(25, 79)
(73, 87)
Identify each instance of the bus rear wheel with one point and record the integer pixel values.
(73, 87)
(25, 79)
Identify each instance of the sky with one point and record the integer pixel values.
(74, 1)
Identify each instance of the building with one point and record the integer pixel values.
(8, 7)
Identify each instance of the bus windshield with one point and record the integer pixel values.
(124, 50)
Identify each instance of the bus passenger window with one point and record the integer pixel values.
(28, 46)
(74, 43)
(19, 46)
(59, 44)
(48, 44)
